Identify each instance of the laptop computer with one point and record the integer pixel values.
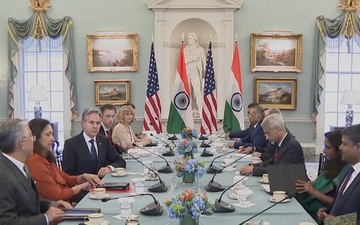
(283, 177)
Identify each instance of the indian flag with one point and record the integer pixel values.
(180, 115)
(234, 107)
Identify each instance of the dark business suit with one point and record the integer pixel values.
(255, 138)
(290, 152)
(349, 201)
(269, 150)
(77, 158)
(19, 199)
(102, 131)
(241, 133)
(119, 149)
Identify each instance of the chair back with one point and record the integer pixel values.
(322, 160)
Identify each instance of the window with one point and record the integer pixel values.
(342, 72)
(41, 62)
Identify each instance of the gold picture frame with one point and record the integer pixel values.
(276, 53)
(276, 92)
(112, 52)
(115, 92)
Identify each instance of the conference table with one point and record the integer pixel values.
(290, 213)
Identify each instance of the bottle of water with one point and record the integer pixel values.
(125, 210)
(139, 187)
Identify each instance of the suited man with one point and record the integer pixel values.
(288, 151)
(243, 133)
(19, 197)
(89, 152)
(255, 139)
(268, 152)
(348, 195)
(108, 112)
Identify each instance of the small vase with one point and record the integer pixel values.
(189, 155)
(188, 220)
(189, 178)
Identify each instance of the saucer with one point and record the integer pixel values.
(105, 222)
(233, 195)
(92, 196)
(273, 200)
(224, 165)
(119, 175)
(151, 178)
(262, 181)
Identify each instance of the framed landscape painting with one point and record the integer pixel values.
(275, 92)
(276, 53)
(112, 53)
(115, 92)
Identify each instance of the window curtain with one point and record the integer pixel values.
(37, 26)
(345, 26)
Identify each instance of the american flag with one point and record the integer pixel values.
(209, 109)
(152, 103)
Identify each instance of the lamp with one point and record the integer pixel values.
(37, 94)
(350, 97)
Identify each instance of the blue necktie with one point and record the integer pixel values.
(93, 152)
(335, 205)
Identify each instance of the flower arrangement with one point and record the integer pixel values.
(189, 165)
(187, 203)
(189, 133)
(187, 147)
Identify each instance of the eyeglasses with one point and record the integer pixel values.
(267, 132)
(32, 137)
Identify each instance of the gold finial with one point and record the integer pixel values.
(349, 5)
(40, 5)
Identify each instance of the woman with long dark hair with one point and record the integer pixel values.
(320, 192)
(52, 183)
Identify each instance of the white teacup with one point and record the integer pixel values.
(119, 171)
(255, 159)
(149, 164)
(265, 178)
(228, 161)
(99, 192)
(245, 196)
(94, 218)
(242, 183)
(279, 195)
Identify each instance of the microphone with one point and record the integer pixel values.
(207, 153)
(172, 138)
(152, 209)
(204, 145)
(202, 138)
(159, 187)
(169, 153)
(164, 169)
(214, 169)
(214, 186)
(289, 196)
(223, 207)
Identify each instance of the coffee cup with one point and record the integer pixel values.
(94, 218)
(99, 192)
(255, 159)
(279, 195)
(119, 171)
(149, 164)
(228, 161)
(265, 178)
(244, 196)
